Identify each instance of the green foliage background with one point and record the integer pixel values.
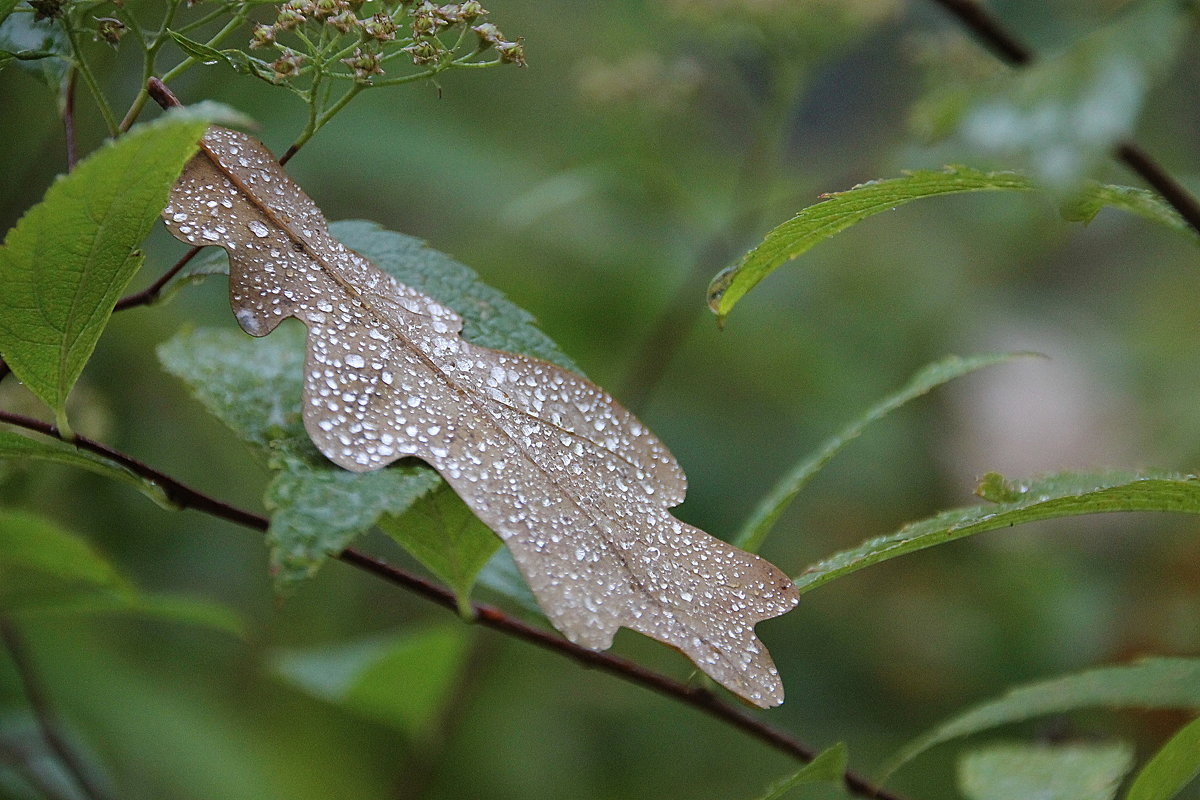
(588, 187)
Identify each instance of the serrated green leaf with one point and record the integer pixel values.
(1063, 495)
(40, 48)
(442, 533)
(1020, 771)
(18, 448)
(764, 516)
(403, 681)
(828, 767)
(840, 210)
(1063, 114)
(254, 387)
(68, 259)
(1149, 683)
(1174, 766)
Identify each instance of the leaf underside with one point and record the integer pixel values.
(576, 487)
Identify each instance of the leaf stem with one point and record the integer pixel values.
(89, 78)
(316, 122)
(39, 704)
(185, 497)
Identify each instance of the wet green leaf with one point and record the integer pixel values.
(402, 681)
(442, 533)
(1173, 767)
(840, 210)
(764, 516)
(1150, 683)
(1063, 495)
(828, 767)
(69, 258)
(254, 387)
(1021, 771)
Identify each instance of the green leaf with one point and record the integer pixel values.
(1063, 114)
(254, 387)
(39, 48)
(68, 259)
(840, 210)
(1149, 683)
(401, 681)
(1172, 768)
(1063, 495)
(19, 449)
(1021, 771)
(764, 516)
(46, 571)
(828, 767)
(235, 59)
(442, 533)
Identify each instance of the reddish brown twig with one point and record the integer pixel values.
(183, 496)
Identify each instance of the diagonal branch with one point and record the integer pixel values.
(1009, 48)
(184, 497)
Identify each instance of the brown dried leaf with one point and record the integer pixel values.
(575, 485)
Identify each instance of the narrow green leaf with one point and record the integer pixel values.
(403, 681)
(1174, 766)
(442, 533)
(1149, 683)
(1021, 771)
(840, 210)
(40, 48)
(254, 387)
(68, 259)
(828, 767)
(1063, 495)
(764, 516)
(201, 52)
(19, 449)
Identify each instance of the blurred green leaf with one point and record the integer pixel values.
(1063, 114)
(764, 516)
(39, 48)
(1064, 495)
(46, 571)
(254, 387)
(828, 767)
(1174, 766)
(1149, 683)
(6, 7)
(838, 211)
(402, 681)
(20, 449)
(444, 535)
(69, 258)
(1021, 771)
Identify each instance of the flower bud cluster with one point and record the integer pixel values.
(414, 27)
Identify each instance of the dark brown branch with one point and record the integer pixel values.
(184, 496)
(1006, 46)
(68, 118)
(150, 293)
(39, 704)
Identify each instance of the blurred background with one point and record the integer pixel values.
(648, 144)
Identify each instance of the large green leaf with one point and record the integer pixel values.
(254, 387)
(1172, 768)
(764, 516)
(68, 259)
(1062, 495)
(840, 210)
(1150, 683)
(45, 570)
(20, 449)
(444, 535)
(402, 681)
(1019, 771)
(828, 767)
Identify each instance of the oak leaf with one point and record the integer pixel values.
(575, 486)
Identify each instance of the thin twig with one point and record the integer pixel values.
(1009, 48)
(150, 293)
(68, 118)
(184, 496)
(39, 704)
